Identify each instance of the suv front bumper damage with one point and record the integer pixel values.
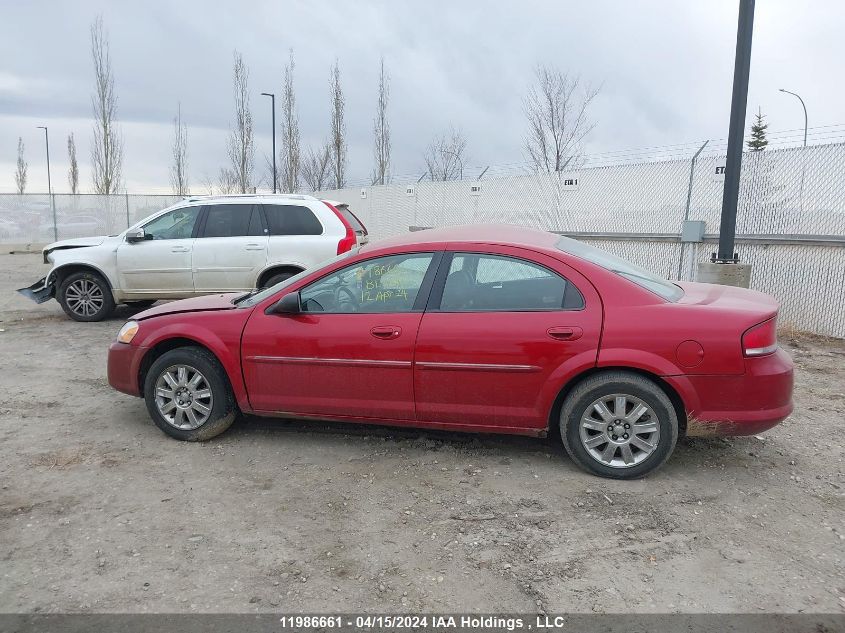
(41, 291)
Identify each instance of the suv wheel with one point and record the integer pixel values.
(619, 425)
(85, 296)
(188, 395)
(279, 277)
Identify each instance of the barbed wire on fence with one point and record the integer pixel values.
(790, 200)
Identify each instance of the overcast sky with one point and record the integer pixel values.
(665, 68)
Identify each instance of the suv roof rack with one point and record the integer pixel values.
(289, 196)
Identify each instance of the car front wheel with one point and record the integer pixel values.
(619, 425)
(85, 296)
(188, 395)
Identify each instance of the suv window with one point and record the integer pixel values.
(486, 283)
(353, 220)
(177, 224)
(232, 220)
(289, 219)
(383, 284)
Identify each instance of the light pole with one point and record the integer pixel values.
(49, 182)
(273, 105)
(805, 111)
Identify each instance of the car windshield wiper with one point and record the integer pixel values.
(244, 296)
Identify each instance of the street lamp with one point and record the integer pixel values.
(49, 183)
(273, 105)
(805, 111)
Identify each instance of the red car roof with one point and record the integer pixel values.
(478, 233)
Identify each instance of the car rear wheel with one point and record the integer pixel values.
(85, 296)
(619, 425)
(188, 395)
(272, 281)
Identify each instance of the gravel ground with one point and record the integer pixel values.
(101, 512)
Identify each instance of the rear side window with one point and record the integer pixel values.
(495, 283)
(633, 273)
(353, 220)
(232, 220)
(289, 219)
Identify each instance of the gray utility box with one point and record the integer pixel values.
(692, 231)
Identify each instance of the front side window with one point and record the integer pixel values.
(177, 224)
(232, 220)
(291, 219)
(488, 283)
(384, 284)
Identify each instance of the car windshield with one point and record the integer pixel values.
(640, 276)
(250, 299)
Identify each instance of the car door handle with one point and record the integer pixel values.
(179, 249)
(254, 247)
(386, 332)
(565, 333)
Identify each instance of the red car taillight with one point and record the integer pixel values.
(348, 241)
(761, 339)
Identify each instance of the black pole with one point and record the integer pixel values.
(742, 65)
(273, 105)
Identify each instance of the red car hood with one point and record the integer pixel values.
(195, 304)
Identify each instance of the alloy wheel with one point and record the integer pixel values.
(84, 297)
(183, 397)
(619, 430)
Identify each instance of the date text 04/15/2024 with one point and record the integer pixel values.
(411, 622)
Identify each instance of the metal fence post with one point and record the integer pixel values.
(126, 193)
(689, 201)
(55, 223)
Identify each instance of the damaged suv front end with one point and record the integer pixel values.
(89, 253)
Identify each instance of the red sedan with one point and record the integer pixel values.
(493, 329)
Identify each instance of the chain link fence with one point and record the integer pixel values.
(29, 218)
(790, 218)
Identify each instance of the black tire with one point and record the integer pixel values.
(272, 281)
(73, 290)
(579, 404)
(140, 305)
(223, 409)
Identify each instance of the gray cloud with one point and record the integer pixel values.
(665, 68)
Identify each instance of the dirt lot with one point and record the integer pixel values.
(99, 511)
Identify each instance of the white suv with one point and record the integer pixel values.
(202, 245)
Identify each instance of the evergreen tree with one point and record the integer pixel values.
(758, 140)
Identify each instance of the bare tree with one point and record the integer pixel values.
(228, 181)
(73, 169)
(179, 169)
(444, 156)
(208, 183)
(241, 147)
(556, 109)
(316, 167)
(290, 132)
(107, 148)
(20, 171)
(266, 178)
(337, 141)
(381, 132)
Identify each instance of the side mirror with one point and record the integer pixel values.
(135, 235)
(289, 304)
